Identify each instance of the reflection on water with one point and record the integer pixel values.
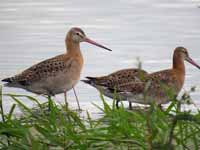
(34, 31)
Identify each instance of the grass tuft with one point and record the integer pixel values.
(118, 129)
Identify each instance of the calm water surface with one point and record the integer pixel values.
(149, 29)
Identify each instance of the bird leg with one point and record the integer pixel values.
(117, 104)
(65, 96)
(160, 107)
(130, 106)
(49, 103)
(77, 101)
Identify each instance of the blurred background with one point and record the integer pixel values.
(32, 31)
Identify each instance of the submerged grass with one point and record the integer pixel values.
(117, 129)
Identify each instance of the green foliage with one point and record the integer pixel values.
(118, 129)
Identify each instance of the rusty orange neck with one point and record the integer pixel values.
(179, 68)
(73, 50)
(72, 47)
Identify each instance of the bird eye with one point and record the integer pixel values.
(183, 50)
(77, 33)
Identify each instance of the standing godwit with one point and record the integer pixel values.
(58, 74)
(155, 87)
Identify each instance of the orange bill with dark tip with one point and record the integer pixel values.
(95, 43)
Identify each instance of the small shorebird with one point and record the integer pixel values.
(58, 74)
(159, 87)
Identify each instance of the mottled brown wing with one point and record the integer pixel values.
(120, 77)
(44, 69)
(166, 77)
(131, 87)
(156, 83)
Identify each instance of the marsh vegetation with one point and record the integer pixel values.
(61, 128)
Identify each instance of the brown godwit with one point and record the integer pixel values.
(154, 87)
(58, 74)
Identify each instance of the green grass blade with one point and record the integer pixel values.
(11, 112)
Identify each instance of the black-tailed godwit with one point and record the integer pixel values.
(58, 74)
(156, 87)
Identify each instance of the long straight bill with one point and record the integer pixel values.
(192, 62)
(95, 43)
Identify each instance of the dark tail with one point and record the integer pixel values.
(90, 81)
(91, 78)
(9, 80)
(87, 81)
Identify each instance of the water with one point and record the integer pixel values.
(33, 31)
